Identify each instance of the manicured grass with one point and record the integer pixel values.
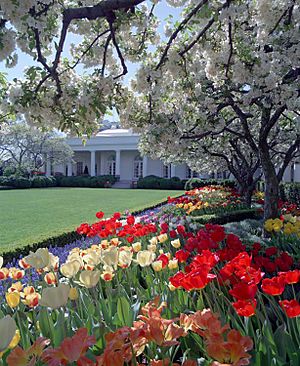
(28, 216)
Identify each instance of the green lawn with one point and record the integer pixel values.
(30, 215)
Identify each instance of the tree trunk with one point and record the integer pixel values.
(271, 184)
(246, 192)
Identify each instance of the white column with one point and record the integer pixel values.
(145, 166)
(93, 162)
(48, 168)
(118, 163)
(172, 170)
(70, 169)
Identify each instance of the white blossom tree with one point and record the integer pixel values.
(26, 148)
(225, 64)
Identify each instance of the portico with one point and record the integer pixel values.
(115, 152)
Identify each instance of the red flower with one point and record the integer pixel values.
(176, 279)
(165, 227)
(291, 277)
(273, 286)
(292, 307)
(164, 259)
(243, 291)
(181, 230)
(173, 234)
(100, 215)
(245, 307)
(182, 255)
(271, 251)
(256, 247)
(117, 216)
(130, 220)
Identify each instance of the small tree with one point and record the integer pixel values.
(26, 148)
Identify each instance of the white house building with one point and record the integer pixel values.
(114, 151)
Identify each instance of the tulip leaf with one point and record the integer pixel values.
(124, 311)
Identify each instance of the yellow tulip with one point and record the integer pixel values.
(55, 297)
(13, 299)
(162, 238)
(173, 264)
(70, 269)
(107, 276)
(137, 246)
(153, 241)
(7, 330)
(39, 259)
(89, 279)
(16, 339)
(125, 258)
(171, 287)
(109, 257)
(73, 293)
(176, 243)
(157, 266)
(152, 248)
(277, 225)
(145, 257)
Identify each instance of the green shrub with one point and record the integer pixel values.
(224, 218)
(154, 182)
(290, 192)
(193, 183)
(42, 181)
(86, 181)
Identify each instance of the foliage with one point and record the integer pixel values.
(290, 192)
(81, 181)
(198, 183)
(154, 182)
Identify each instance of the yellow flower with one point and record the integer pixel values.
(110, 257)
(145, 258)
(89, 279)
(176, 243)
(277, 225)
(107, 276)
(171, 287)
(16, 339)
(39, 259)
(269, 225)
(13, 299)
(17, 286)
(70, 269)
(137, 246)
(153, 241)
(73, 293)
(7, 330)
(125, 257)
(114, 241)
(157, 266)
(173, 264)
(152, 248)
(289, 229)
(55, 297)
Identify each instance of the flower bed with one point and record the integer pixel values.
(156, 292)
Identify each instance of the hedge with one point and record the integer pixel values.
(55, 241)
(193, 183)
(154, 182)
(224, 218)
(60, 181)
(90, 182)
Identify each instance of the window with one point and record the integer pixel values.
(166, 171)
(190, 173)
(111, 165)
(137, 167)
(79, 168)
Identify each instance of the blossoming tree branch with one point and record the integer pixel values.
(223, 79)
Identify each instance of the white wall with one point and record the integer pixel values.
(154, 167)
